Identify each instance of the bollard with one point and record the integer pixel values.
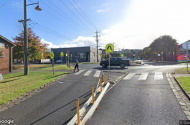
(100, 84)
(78, 113)
(92, 94)
(105, 81)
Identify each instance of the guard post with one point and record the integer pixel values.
(78, 113)
(92, 94)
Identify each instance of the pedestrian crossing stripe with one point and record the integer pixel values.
(158, 76)
(88, 73)
(129, 76)
(77, 73)
(143, 76)
(97, 74)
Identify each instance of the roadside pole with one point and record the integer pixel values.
(52, 59)
(109, 48)
(62, 54)
(53, 65)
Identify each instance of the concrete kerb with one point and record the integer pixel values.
(184, 92)
(182, 99)
(85, 106)
(95, 105)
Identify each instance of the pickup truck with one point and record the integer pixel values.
(115, 61)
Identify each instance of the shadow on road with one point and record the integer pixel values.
(81, 103)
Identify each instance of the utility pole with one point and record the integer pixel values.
(97, 43)
(26, 71)
(26, 54)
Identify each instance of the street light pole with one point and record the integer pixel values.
(26, 54)
(26, 71)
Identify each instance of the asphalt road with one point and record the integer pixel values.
(140, 102)
(135, 101)
(55, 105)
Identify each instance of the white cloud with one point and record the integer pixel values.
(148, 19)
(78, 42)
(145, 21)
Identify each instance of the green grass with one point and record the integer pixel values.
(31, 67)
(58, 67)
(185, 83)
(16, 84)
(182, 71)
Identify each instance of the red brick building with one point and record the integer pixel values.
(181, 53)
(5, 55)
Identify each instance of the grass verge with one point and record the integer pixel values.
(58, 67)
(182, 71)
(16, 84)
(31, 67)
(185, 83)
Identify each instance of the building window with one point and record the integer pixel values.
(2, 49)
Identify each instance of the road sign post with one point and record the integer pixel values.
(109, 48)
(52, 58)
(61, 54)
(66, 59)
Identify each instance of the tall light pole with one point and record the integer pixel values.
(26, 54)
(97, 44)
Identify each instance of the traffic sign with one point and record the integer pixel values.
(122, 55)
(109, 48)
(66, 54)
(52, 55)
(62, 54)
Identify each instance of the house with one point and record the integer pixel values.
(83, 54)
(5, 55)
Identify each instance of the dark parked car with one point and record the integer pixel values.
(116, 61)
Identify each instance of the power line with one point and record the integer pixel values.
(76, 16)
(68, 17)
(44, 28)
(4, 3)
(60, 18)
(84, 14)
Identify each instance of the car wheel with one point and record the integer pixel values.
(122, 66)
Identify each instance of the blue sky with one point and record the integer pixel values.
(131, 24)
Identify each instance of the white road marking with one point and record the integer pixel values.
(129, 76)
(88, 73)
(143, 76)
(80, 71)
(97, 74)
(158, 76)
